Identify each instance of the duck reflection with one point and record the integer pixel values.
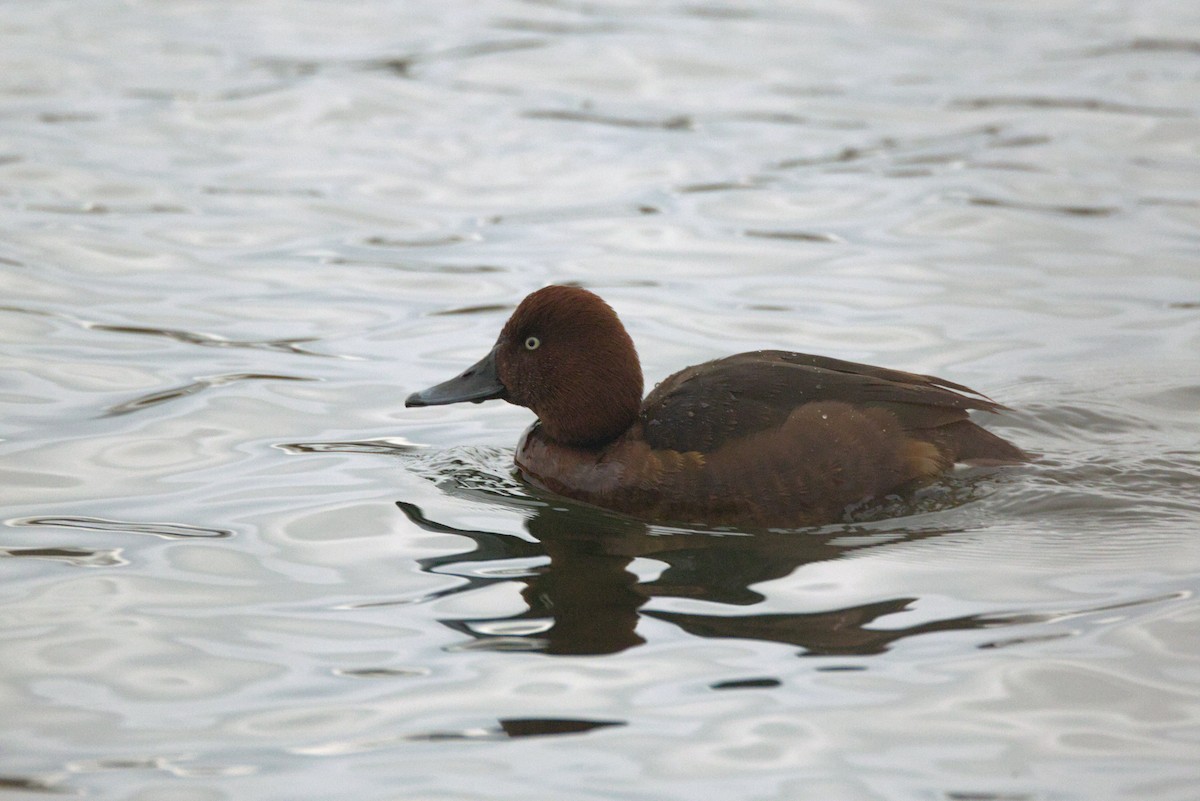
(586, 600)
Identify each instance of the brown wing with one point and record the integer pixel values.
(707, 406)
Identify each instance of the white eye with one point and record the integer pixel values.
(532, 343)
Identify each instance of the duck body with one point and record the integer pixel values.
(767, 438)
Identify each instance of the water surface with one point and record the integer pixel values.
(237, 235)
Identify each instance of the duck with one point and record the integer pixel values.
(763, 439)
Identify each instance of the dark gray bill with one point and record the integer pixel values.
(477, 383)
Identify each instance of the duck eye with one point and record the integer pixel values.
(532, 343)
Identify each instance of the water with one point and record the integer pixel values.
(237, 235)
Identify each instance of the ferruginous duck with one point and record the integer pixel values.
(762, 439)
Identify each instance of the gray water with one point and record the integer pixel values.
(236, 235)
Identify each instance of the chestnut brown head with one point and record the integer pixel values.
(563, 354)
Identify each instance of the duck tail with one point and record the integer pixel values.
(974, 445)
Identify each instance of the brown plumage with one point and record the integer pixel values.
(768, 438)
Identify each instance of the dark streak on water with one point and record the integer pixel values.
(208, 340)
(420, 242)
(193, 388)
(200, 338)
(794, 236)
(81, 557)
(486, 308)
(1069, 104)
(1148, 45)
(415, 266)
(28, 784)
(401, 65)
(379, 673)
(747, 684)
(392, 446)
(168, 531)
(103, 208)
(1076, 211)
(513, 728)
(674, 123)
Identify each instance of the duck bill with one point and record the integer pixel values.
(477, 383)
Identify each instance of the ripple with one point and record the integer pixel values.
(171, 765)
(563, 214)
(541, 727)
(483, 48)
(1008, 166)
(935, 149)
(504, 729)
(197, 386)
(1149, 45)
(680, 122)
(1020, 140)
(181, 335)
(1075, 211)
(90, 207)
(746, 684)
(422, 598)
(794, 236)
(1032, 639)
(841, 668)
(33, 784)
(722, 186)
(512, 728)
(211, 340)
(59, 117)
(422, 242)
(380, 673)
(1067, 104)
(1171, 202)
(80, 557)
(487, 308)
(385, 445)
(399, 65)
(472, 469)
(249, 191)
(416, 266)
(500, 644)
(846, 154)
(555, 27)
(167, 531)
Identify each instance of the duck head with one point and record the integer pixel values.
(563, 354)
